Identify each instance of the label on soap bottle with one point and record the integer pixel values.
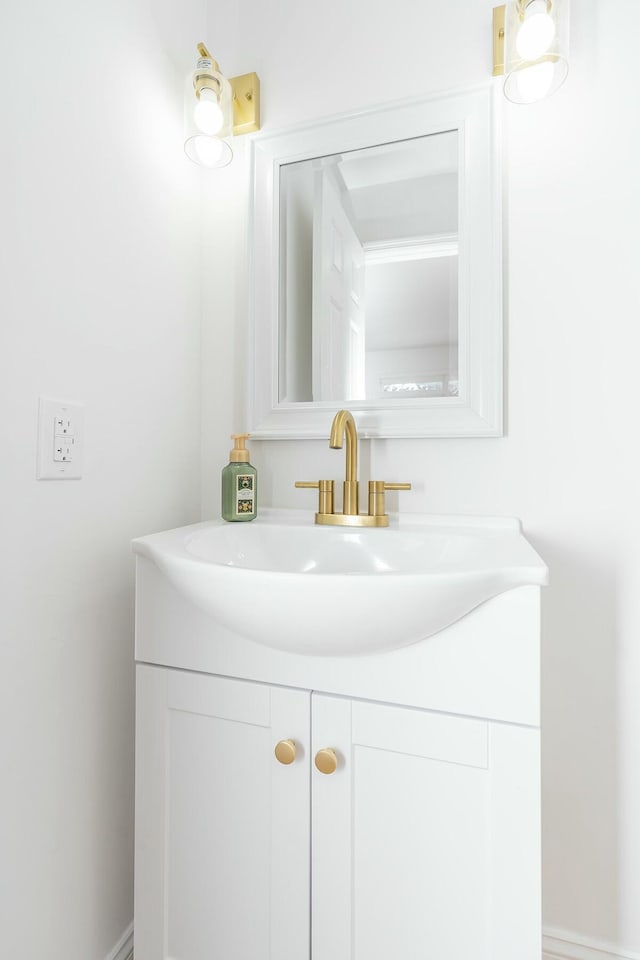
(244, 493)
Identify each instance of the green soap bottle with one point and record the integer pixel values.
(239, 483)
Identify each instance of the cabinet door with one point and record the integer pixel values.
(426, 838)
(222, 828)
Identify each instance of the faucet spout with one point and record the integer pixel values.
(344, 426)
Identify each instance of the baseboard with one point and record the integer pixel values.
(564, 945)
(556, 945)
(123, 950)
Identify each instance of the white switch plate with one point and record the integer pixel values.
(60, 440)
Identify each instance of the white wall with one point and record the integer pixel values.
(567, 465)
(99, 303)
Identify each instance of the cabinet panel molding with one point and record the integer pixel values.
(422, 734)
(219, 697)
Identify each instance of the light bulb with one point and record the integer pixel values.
(208, 150)
(207, 113)
(533, 83)
(536, 34)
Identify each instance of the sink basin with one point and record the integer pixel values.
(286, 583)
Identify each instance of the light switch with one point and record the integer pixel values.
(60, 440)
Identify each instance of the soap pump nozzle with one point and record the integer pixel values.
(239, 454)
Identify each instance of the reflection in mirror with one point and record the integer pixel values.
(368, 306)
(376, 271)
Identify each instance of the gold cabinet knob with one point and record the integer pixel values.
(326, 760)
(285, 751)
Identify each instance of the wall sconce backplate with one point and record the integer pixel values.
(246, 103)
(498, 40)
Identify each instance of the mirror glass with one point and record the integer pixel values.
(376, 272)
(369, 273)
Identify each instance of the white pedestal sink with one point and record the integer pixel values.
(288, 584)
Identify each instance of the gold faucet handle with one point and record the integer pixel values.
(376, 495)
(325, 492)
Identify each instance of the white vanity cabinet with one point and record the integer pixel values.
(424, 842)
(421, 840)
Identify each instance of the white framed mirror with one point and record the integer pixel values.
(376, 272)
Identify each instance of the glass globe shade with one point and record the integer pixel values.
(533, 83)
(210, 152)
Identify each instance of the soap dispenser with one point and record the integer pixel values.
(239, 483)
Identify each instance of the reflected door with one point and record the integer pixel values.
(338, 335)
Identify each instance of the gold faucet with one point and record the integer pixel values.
(344, 426)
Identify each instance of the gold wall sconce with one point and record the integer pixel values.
(530, 47)
(216, 108)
